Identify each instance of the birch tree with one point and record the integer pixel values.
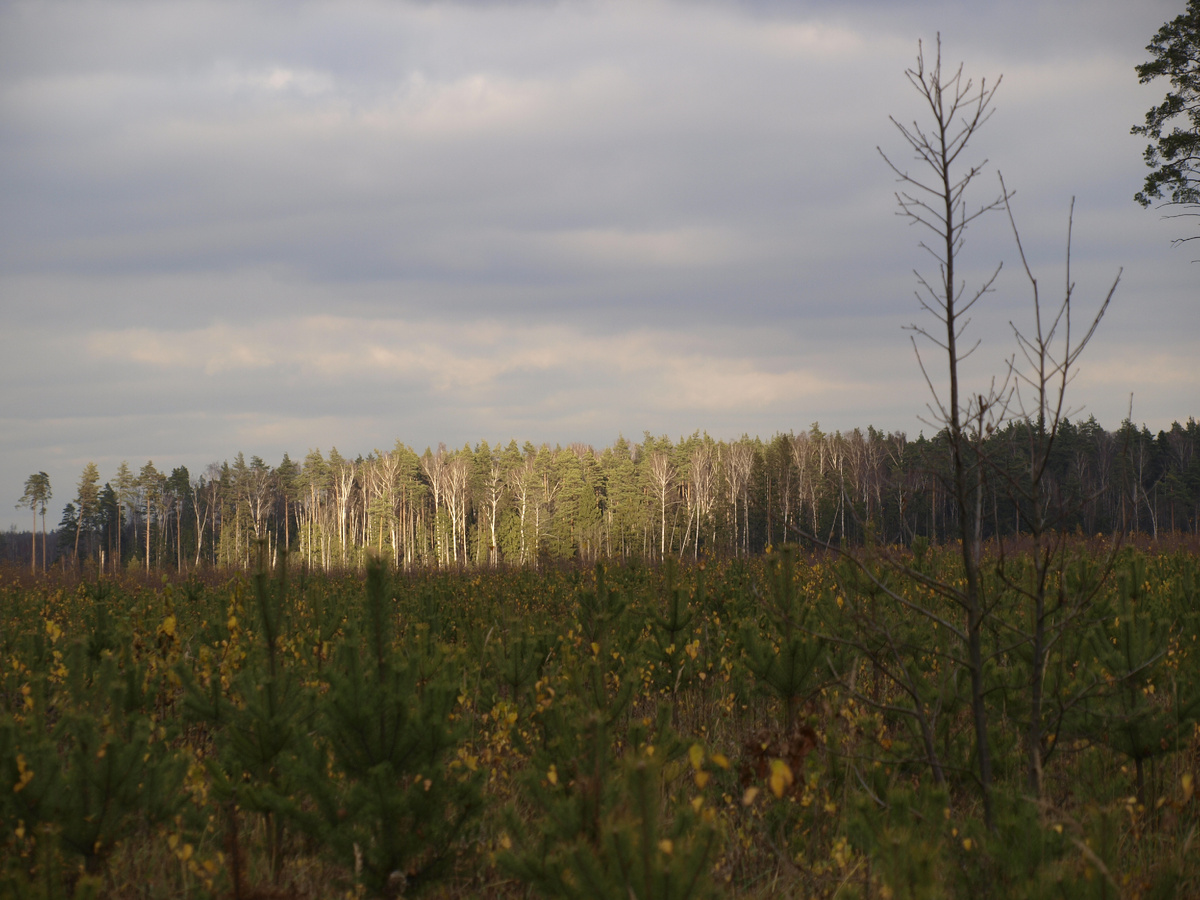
(701, 482)
(342, 473)
(662, 479)
(434, 467)
(316, 481)
(493, 497)
(522, 481)
(458, 488)
(738, 463)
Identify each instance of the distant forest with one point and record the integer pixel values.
(695, 497)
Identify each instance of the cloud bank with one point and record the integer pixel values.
(270, 227)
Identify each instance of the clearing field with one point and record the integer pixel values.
(786, 725)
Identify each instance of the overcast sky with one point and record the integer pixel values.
(278, 226)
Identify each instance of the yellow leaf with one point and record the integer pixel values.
(168, 626)
(552, 775)
(781, 777)
(1188, 786)
(696, 756)
(967, 843)
(701, 779)
(595, 648)
(719, 759)
(666, 846)
(24, 775)
(748, 797)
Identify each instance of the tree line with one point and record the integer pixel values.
(488, 505)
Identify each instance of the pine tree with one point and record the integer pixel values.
(150, 484)
(125, 484)
(87, 503)
(385, 800)
(1174, 154)
(782, 646)
(1151, 705)
(37, 495)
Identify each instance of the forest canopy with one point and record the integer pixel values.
(690, 498)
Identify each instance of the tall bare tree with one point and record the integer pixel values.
(1050, 350)
(493, 497)
(458, 489)
(804, 453)
(387, 471)
(935, 198)
(342, 474)
(434, 467)
(662, 479)
(259, 489)
(701, 495)
(738, 464)
(522, 481)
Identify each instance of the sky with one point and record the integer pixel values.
(276, 226)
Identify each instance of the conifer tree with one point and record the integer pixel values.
(1150, 705)
(1173, 126)
(258, 715)
(125, 485)
(783, 649)
(37, 495)
(609, 820)
(150, 484)
(87, 502)
(387, 802)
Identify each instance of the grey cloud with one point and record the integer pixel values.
(702, 170)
